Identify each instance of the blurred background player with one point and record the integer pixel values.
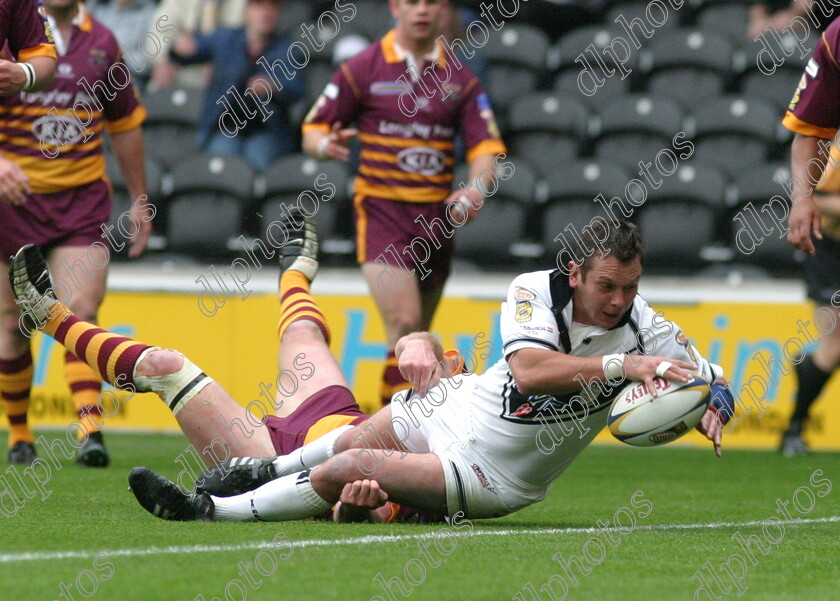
(814, 117)
(403, 194)
(28, 37)
(233, 54)
(64, 201)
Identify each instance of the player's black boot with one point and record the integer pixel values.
(30, 280)
(236, 476)
(22, 453)
(163, 499)
(93, 452)
(792, 442)
(301, 249)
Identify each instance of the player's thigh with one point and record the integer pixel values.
(219, 427)
(399, 304)
(12, 341)
(409, 479)
(306, 365)
(84, 272)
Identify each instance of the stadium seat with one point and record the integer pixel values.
(754, 189)
(575, 43)
(730, 20)
(546, 128)
(777, 89)
(567, 84)
(687, 64)
(684, 220)
(644, 11)
(570, 195)
(372, 18)
(736, 132)
(318, 75)
(295, 12)
(170, 128)
(207, 197)
(636, 128)
(516, 57)
(289, 179)
(499, 235)
(677, 235)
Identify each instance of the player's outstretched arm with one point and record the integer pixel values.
(807, 165)
(13, 77)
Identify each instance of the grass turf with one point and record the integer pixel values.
(91, 511)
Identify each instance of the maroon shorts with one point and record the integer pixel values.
(408, 235)
(327, 406)
(69, 218)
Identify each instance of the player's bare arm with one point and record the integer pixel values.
(539, 371)
(13, 77)
(128, 148)
(329, 145)
(471, 200)
(420, 357)
(804, 219)
(14, 184)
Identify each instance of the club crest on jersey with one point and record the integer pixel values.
(521, 294)
(422, 160)
(524, 311)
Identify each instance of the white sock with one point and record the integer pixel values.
(288, 498)
(309, 455)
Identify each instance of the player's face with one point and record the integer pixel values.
(419, 20)
(606, 292)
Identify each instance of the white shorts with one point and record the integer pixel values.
(440, 424)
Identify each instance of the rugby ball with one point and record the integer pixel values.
(642, 420)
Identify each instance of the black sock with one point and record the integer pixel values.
(811, 382)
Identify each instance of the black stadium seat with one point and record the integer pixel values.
(516, 56)
(208, 195)
(170, 128)
(636, 128)
(300, 176)
(546, 128)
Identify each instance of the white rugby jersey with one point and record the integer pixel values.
(534, 438)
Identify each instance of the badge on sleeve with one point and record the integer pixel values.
(524, 311)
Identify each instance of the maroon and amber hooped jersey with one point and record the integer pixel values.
(406, 128)
(24, 27)
(815, 107)
(55, 135)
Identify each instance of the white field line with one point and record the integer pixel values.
(369, 539)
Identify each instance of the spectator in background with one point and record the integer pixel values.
(234, 54)
(197, 17)
(129, 21)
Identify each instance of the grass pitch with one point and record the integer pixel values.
(677, 510)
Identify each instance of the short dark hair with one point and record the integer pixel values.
(623, 241)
